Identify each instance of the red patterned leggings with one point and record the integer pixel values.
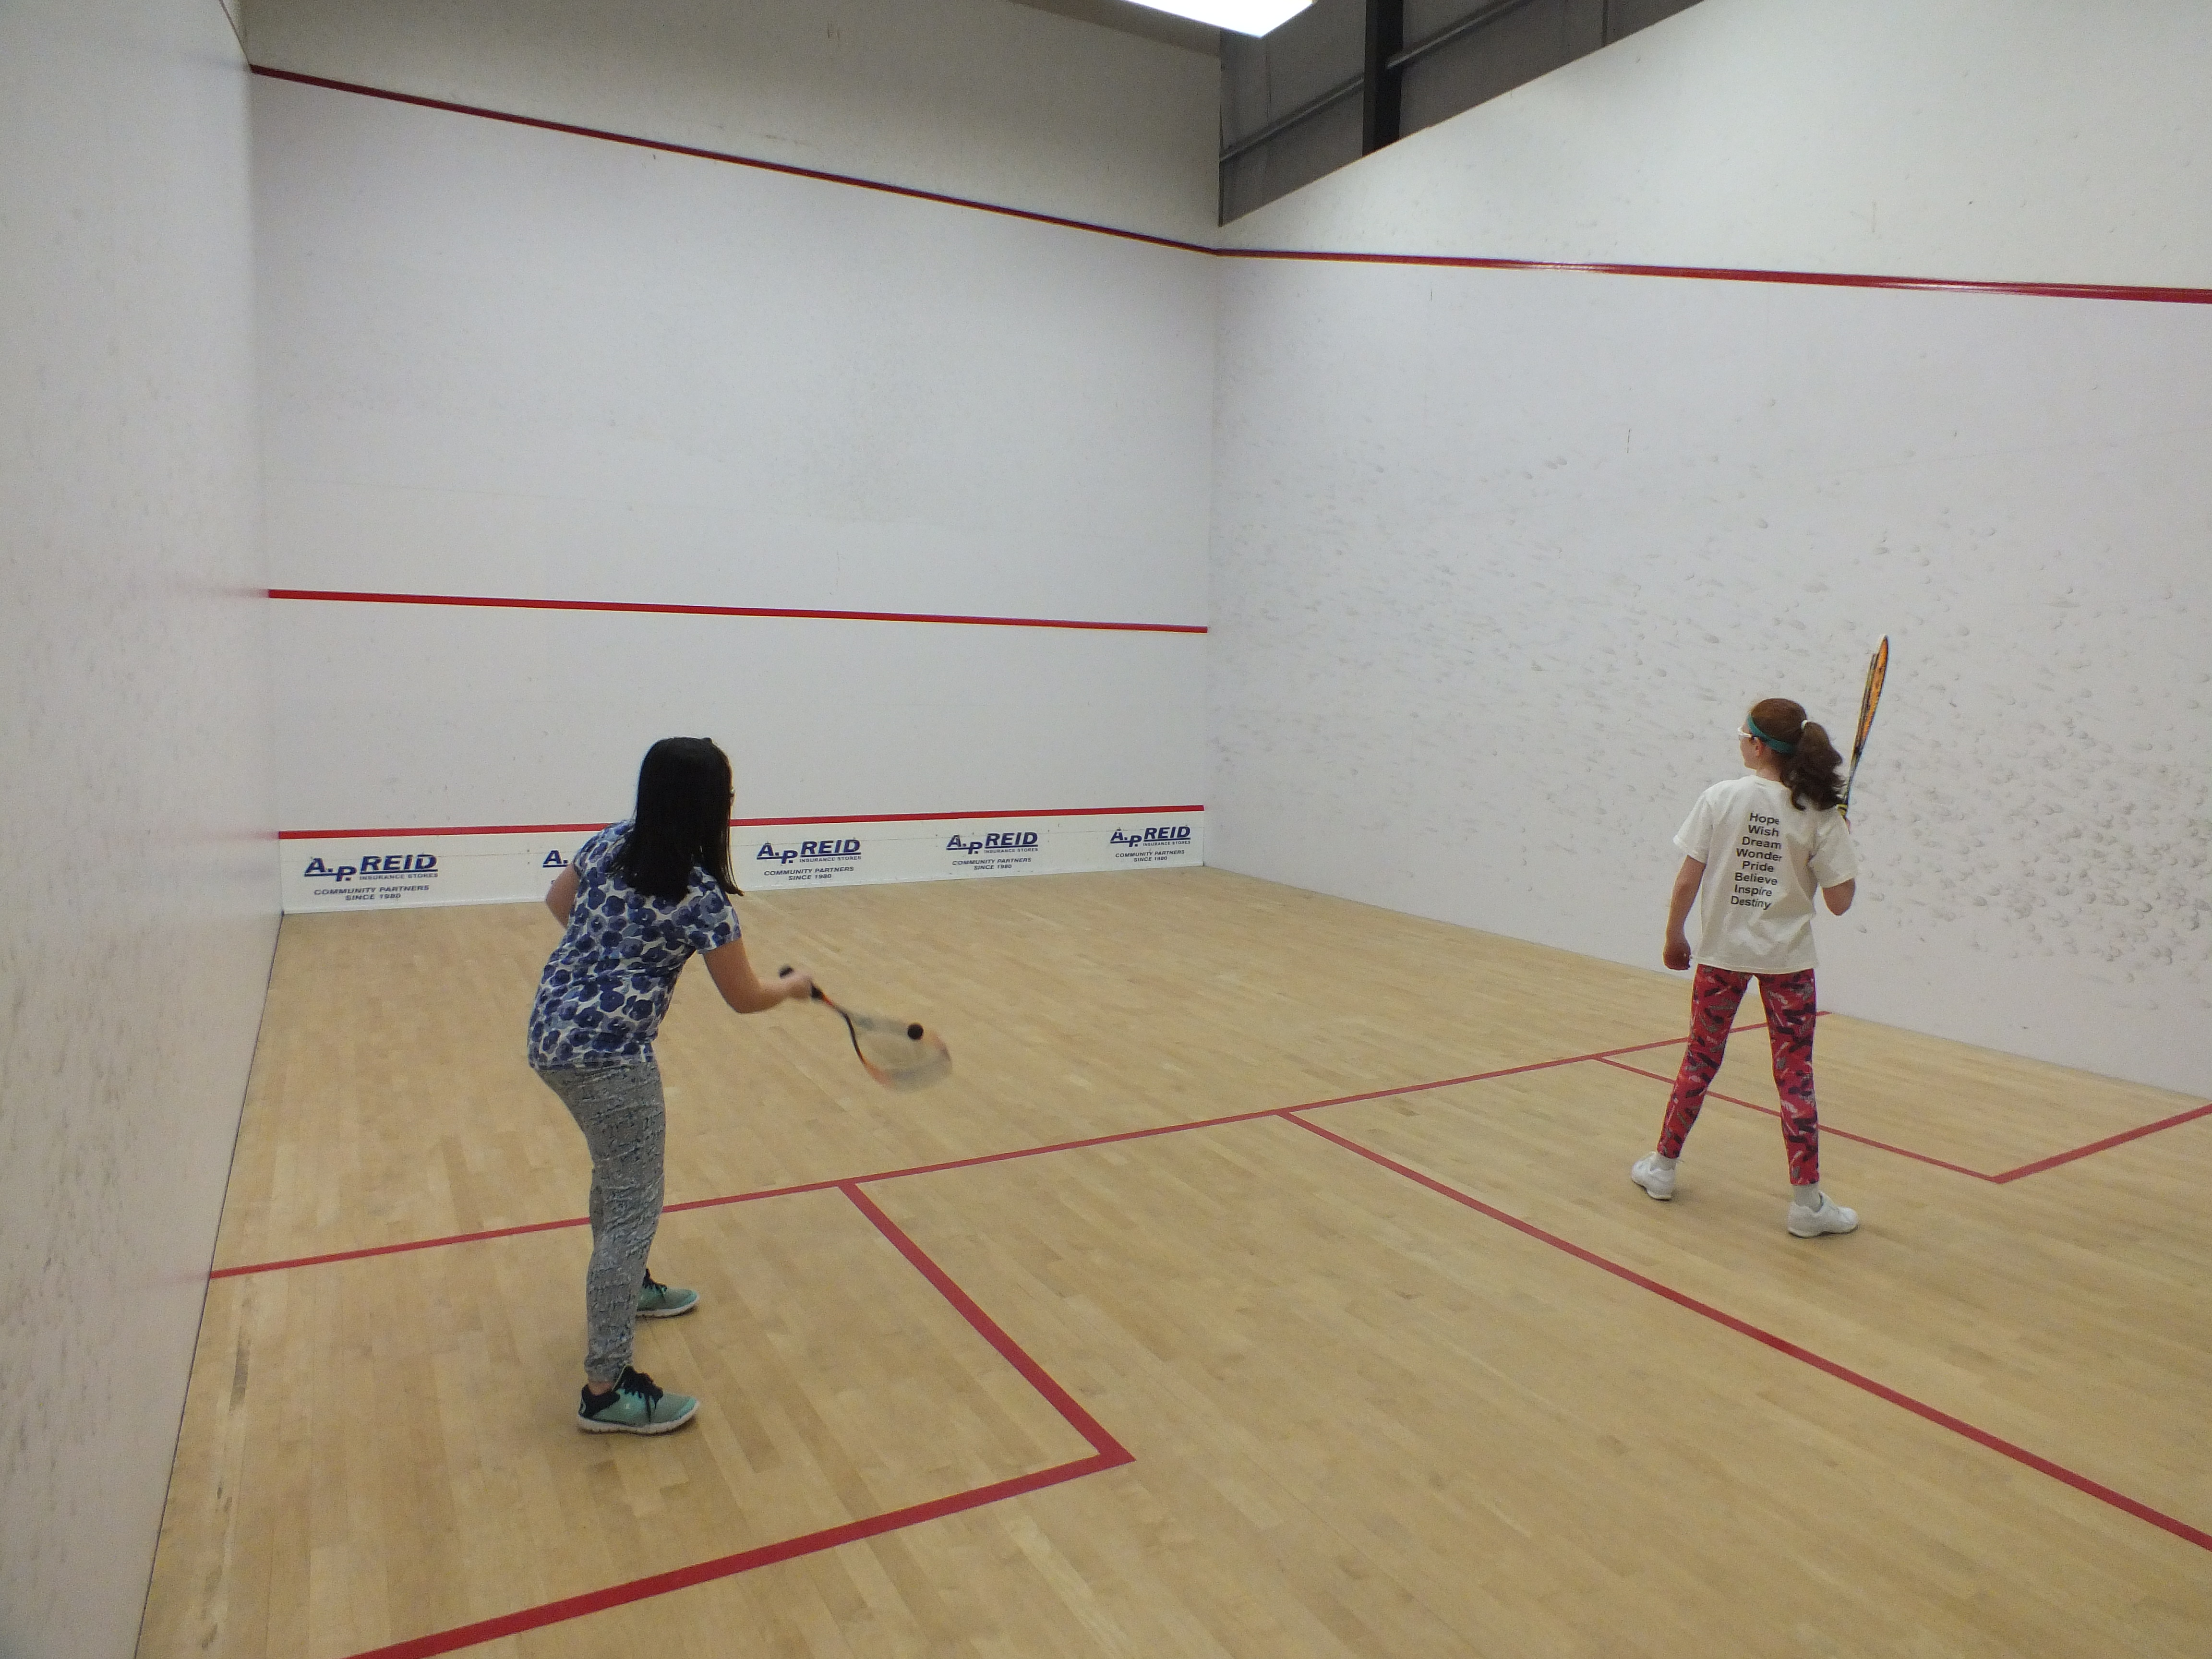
(1789, 1007)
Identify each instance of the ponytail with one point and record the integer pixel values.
(1812, 770)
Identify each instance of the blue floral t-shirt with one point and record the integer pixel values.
(607, 984)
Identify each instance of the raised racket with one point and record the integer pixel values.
(1869, 700)
(899, 1054)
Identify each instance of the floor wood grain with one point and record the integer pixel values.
(1366, 1418)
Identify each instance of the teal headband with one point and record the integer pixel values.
(1778, 748)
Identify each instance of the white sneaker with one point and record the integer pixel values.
(1655, 1178)
(1828, 1218)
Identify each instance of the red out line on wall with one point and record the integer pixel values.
(339, 596)
(389, 831)
(2125, 291)
(697, 153)
(2197, 296)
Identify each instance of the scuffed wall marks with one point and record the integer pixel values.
(1500, 559)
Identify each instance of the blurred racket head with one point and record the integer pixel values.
(898, 1054)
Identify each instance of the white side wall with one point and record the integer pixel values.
(505, 362)
(1500, 558)
(977, 99)
(1985, 140)
(134, 821)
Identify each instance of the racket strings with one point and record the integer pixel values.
(897, 1054)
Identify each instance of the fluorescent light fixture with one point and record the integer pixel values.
(1253, 17)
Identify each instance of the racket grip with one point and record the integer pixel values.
(788, 970)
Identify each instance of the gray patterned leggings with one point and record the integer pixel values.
(620, 1110)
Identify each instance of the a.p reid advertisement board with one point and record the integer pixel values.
(388, 871)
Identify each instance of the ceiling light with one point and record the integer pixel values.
(1253, 17)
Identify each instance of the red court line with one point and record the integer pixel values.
(2109, 1141)
(1606, 1056)
(1826, 1128)
(337, 597)
(1111, 1450)
(2196, 296)
(385, 832)
(2036, 1168)
(1107, 1453)
(405, 1245)
(727, 1566)
(968, 1163)
(2020, 1455)
(698, 154)
(389, 831)
(1705, 273)
(997, 812)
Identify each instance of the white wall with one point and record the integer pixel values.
(501, 360)
(977, 99)
(1500, 558)
(141, 891)
(1990, 139)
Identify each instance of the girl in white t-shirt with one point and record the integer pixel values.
(1754, 849)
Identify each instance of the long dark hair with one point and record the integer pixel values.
(1811, 767)
(682, 820)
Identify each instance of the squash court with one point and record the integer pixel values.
(1126, 1341)
(1260, 570)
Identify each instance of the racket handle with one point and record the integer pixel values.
(788, 970)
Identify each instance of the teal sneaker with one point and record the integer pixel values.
(659, 1301)
(636, 1405)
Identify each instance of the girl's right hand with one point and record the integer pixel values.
(795, 985)
(1677, 953)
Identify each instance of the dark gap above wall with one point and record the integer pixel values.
(1346, 77)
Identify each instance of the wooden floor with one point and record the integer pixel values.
(1416, 1373)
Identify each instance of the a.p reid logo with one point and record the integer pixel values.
(803, 851)
(1153, 835)
(384, 865)
(1008, 841)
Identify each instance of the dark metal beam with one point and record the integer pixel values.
(1282, 124)
(1379, 77)
(1382, 74)
(1451, 32)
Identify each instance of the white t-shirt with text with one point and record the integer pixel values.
(1764, 858)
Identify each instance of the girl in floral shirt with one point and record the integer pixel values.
(637, 901)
